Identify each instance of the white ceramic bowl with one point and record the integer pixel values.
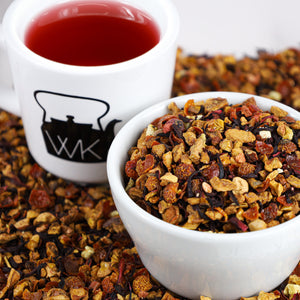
(192, 263)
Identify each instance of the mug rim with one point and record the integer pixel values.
(115, 177)
(167, 40)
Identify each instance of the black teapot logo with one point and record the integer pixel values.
(69, 133)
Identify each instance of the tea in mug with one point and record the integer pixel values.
(92, 33)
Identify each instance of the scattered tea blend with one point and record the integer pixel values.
(211, 166)
(59, 240)
(271, 75)
(62, 241)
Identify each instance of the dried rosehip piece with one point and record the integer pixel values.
(40, 199)
(184, 171)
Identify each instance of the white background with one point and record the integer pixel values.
(238, 27)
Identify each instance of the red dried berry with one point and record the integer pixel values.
(263, 147)
(36, 171)
(269, 213)
(238, 223)
(9, 202)
(212, 171)
(294, 163)
(130, 169)
(40, 199)
(284, 88)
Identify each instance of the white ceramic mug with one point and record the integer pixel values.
(100, 98)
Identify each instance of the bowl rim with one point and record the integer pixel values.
(115, 173)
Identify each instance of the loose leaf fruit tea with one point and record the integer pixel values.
(86, 219)
(92, 33)
(211, 166)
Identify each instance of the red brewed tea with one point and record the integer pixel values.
(92, 33)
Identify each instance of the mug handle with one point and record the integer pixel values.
(8, 97)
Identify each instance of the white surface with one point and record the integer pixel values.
(238, 27)
(6, 87)
(3, 5)
(191, 263)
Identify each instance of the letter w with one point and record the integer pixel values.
(63, 146)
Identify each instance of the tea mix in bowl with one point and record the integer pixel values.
(211, 166)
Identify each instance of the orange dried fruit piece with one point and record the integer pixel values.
(183, 171)
(240, 135)
(152, 183)
(294, 181)
(222, 185)
(144, 166)
(170, 192)
(130, 169)
(251, 213)
(215, 104)
(172, 215)
(275, 110)
(141, 283)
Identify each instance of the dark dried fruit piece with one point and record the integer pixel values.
(212, 171)
(294, 163)
(238, 223)
(287, 146)
(263, 148)
(40, 199)
(130, 169)
(245, 169)
(269, 213)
